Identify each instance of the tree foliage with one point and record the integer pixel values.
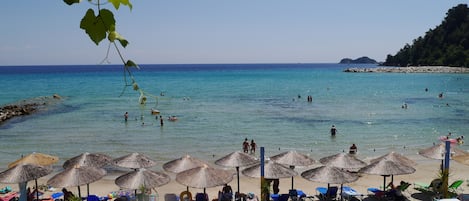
(446, 45)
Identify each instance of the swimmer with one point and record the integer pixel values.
(333, 130)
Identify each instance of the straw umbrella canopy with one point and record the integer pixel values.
(76, 176)
(464, 159)
(142, 177)
(204, 177)
(344, 161)
(292, 158)
(237, 159)
(36, 159)
(396, 157)
(387, 167)
(88, 159)
(134, 161)
(272, 170)
(438, 152)
(23, 173)
(181, 164)
(329, 175)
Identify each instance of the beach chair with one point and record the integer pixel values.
(349, 193)
(455, 186)
(201, 197)
(376, 192)
(327, 193)
(283, 197)
(170, 197)
(92, 198)
(5, 190)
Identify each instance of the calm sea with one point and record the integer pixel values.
(218, 105)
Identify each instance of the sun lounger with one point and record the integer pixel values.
(171, 197)
(349, 193)
(376, 192)
(455, 186)
(463, 197)
(327, 193)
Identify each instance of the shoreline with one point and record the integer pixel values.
(426, 171)
(410, 69)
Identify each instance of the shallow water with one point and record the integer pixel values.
(220, 105)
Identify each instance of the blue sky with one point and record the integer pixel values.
(217, 31)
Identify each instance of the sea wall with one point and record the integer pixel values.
(410, 69)
(26, 107)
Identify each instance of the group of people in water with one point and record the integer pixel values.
(170, 118)
(249, 146)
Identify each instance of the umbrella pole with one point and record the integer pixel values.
(87, 190)
(384, 184)
(37, 190)
(79, 192)
(292, 167)
(341, 189)
(237, 174)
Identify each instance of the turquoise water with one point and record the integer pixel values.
(220, 105)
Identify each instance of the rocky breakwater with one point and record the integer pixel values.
(410, 69)
(26, 107)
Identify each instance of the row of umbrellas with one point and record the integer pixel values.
(191, 172)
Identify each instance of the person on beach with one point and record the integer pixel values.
(460, 139)
(353, 149)
(126, 116)
(253, 146)
(275, 185)
(246, 146)
(333, 130)
(448, 136)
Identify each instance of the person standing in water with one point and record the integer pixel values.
(126, 116)
(246, 145)
(333, 130)
(161, 121)
(253, 146)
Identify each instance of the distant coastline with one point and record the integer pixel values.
(410, 69)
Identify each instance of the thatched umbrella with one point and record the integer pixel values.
(344, 161)
(23, 173)
(398, 158)
(438, 152)
(464, 159)
(142, 177)
(272, 170)
(36, 159)
(329, 175)
(204, 177)
(237, 159)
(76, 176)
(387, 167)
(88, 159)
(181, 164)
(134, 161)
(292, 158)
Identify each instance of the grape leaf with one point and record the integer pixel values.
(116, 36)
(131, 63)
(70, 2)
(97, 26)
(117, 3)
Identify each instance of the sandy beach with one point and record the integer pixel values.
(426, 171)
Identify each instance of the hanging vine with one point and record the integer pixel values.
(102, 26)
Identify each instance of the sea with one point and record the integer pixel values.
(220, 105)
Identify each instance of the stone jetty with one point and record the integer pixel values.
(26, 107)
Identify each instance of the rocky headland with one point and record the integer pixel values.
(410, 69)
(27, 107)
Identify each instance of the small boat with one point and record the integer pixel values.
(154, 111)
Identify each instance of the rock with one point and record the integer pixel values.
(25, 107)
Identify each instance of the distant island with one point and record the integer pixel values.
(361, 60)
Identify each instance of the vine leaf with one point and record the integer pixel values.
(97, 26)
(70, 2)
(131, 63)
(116, 36)
(117, 3)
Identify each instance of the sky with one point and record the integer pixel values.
(218, 31)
